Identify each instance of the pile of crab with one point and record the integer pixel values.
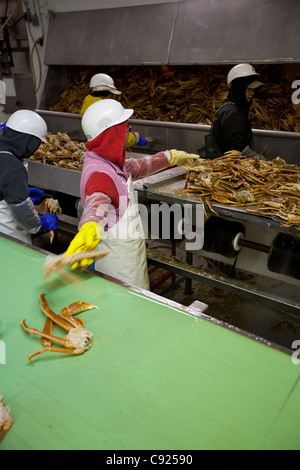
(60, 150)
(269, 188)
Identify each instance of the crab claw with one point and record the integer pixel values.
(77, 307)
(74, 309)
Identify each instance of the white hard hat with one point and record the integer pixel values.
(243, 70)
(102, 115)
(28, 122)
(102, 81)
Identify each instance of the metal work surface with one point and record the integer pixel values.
(256, 292)
(167, 187)
(156, 377)
(188, 137)
(54, 178)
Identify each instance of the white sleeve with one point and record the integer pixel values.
(26, 216)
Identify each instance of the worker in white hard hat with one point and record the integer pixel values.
(110, 218)
(103, 87)
(231, 126)
(23, 134)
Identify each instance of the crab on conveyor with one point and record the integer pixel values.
(6, 419)
(77, 341)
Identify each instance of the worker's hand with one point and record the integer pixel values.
(49, 222)
(36, 194)
(183, 159)
(87, 239)
(142, 141)
(3, 127)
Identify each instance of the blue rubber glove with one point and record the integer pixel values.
(3, 127)
(142, 141)
(36, 194)
(49, 222)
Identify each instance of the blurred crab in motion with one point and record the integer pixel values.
(55, 263)
(78, 339)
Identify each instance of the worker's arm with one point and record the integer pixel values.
(16, 194)
(101, 197)
(91, 229)
(141, 167)
(26, 216)
(29, 220)
(93, 220)
(96, 209)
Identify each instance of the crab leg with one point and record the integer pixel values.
(64, 323)
(74, 309)
(48, 331)
(33, 331)
(55, 339)
(71, 352)
(67, 321)
(66, 313)
(52, 235)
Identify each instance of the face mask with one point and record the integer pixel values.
(32, 145)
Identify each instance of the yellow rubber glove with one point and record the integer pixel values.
(183, 159)
(87, 239)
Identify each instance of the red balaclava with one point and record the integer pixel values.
(110, 144)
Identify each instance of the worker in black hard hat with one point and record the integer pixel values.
(21, 137)
(231, 126)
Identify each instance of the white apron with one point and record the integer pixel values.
(9, 226)
(127, 260)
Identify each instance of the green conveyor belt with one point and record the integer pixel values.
(155, 378)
